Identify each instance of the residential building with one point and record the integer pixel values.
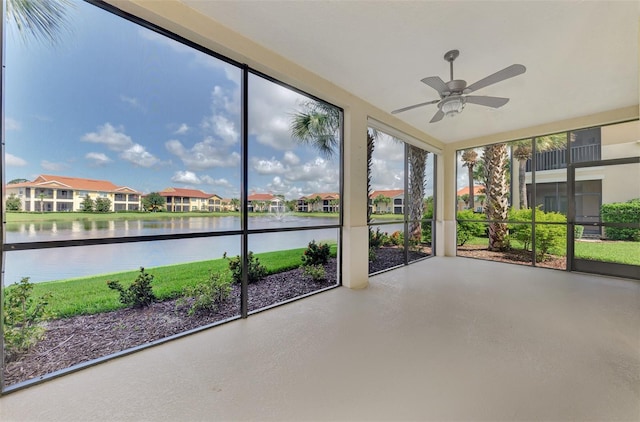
(47, 193)
(393, 203)
(265, 202)
(594, 186)
(478, 198)
(319, 202)
(183, 200)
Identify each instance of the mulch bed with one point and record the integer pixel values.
(71, 341)
(392, 256)
(514, 256)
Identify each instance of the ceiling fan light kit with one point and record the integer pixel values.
(453, 94)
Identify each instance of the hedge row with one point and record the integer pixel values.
(622, 212)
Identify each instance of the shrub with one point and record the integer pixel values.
(397, 238)
(622, 212)
(377, 238)
(316, 253)
(578, 230)
(426, 223)
(372, 254)
(316, 272)
(206, 296)
(467, 230)
(548, 236)
(21, 316)
(521, 232)
(138, 294)
(256, 270)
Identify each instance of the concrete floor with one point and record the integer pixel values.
(444, 339)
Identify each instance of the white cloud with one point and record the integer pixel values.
(272, 166)
(51, 166)
(270, 113)
(132, 102)
(223, 128)
(12, 124)
(222, 182)
(184, 128)
(138, 156)
(186, 177)
(116, 140)
(113, 138)
(290, 158)
(203, 155)
(11, 160)
(98, 158)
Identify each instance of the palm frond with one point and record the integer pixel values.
(43, 20)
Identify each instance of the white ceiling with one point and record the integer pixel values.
(581, 57)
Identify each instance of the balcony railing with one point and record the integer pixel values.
(551, 160)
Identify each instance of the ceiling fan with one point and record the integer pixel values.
(453, 94)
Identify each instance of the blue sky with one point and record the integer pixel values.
(118, 102)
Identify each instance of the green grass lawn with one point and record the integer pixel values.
(90, 295)
(607, 251)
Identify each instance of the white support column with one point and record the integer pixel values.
(447, 188)
(355, 234)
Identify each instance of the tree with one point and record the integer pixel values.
(103, 205)
(235, 203)
(41, 197)
(417, 163)
(497, 206)
(154, 202)
(87, 204)
(469, 160)
(318, 124)
(313, 201)
(334, 203)
(381, 199)
(13, 203)
(14, 181)
(43, 20)
(523, 152)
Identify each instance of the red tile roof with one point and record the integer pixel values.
(388, 193)
(477, 190)
(323, 196)
(185, 193)
(261, 197)
(75, 183)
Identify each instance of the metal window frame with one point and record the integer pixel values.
(244, 231)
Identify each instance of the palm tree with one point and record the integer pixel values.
(318, 124)
(497, 206)
(41, 19)
(523, 152)
(470, 159)
(381, 199)
(417, 162)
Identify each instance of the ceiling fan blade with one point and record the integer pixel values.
(437, 117)
(483, 100)
(436, 83)
(506, 73)
(400, 110)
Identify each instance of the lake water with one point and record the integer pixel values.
(62, 263)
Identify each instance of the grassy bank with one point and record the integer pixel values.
(33, 217)
(606, 251)
(90, 295)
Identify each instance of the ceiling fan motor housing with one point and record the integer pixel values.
(456, 86)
